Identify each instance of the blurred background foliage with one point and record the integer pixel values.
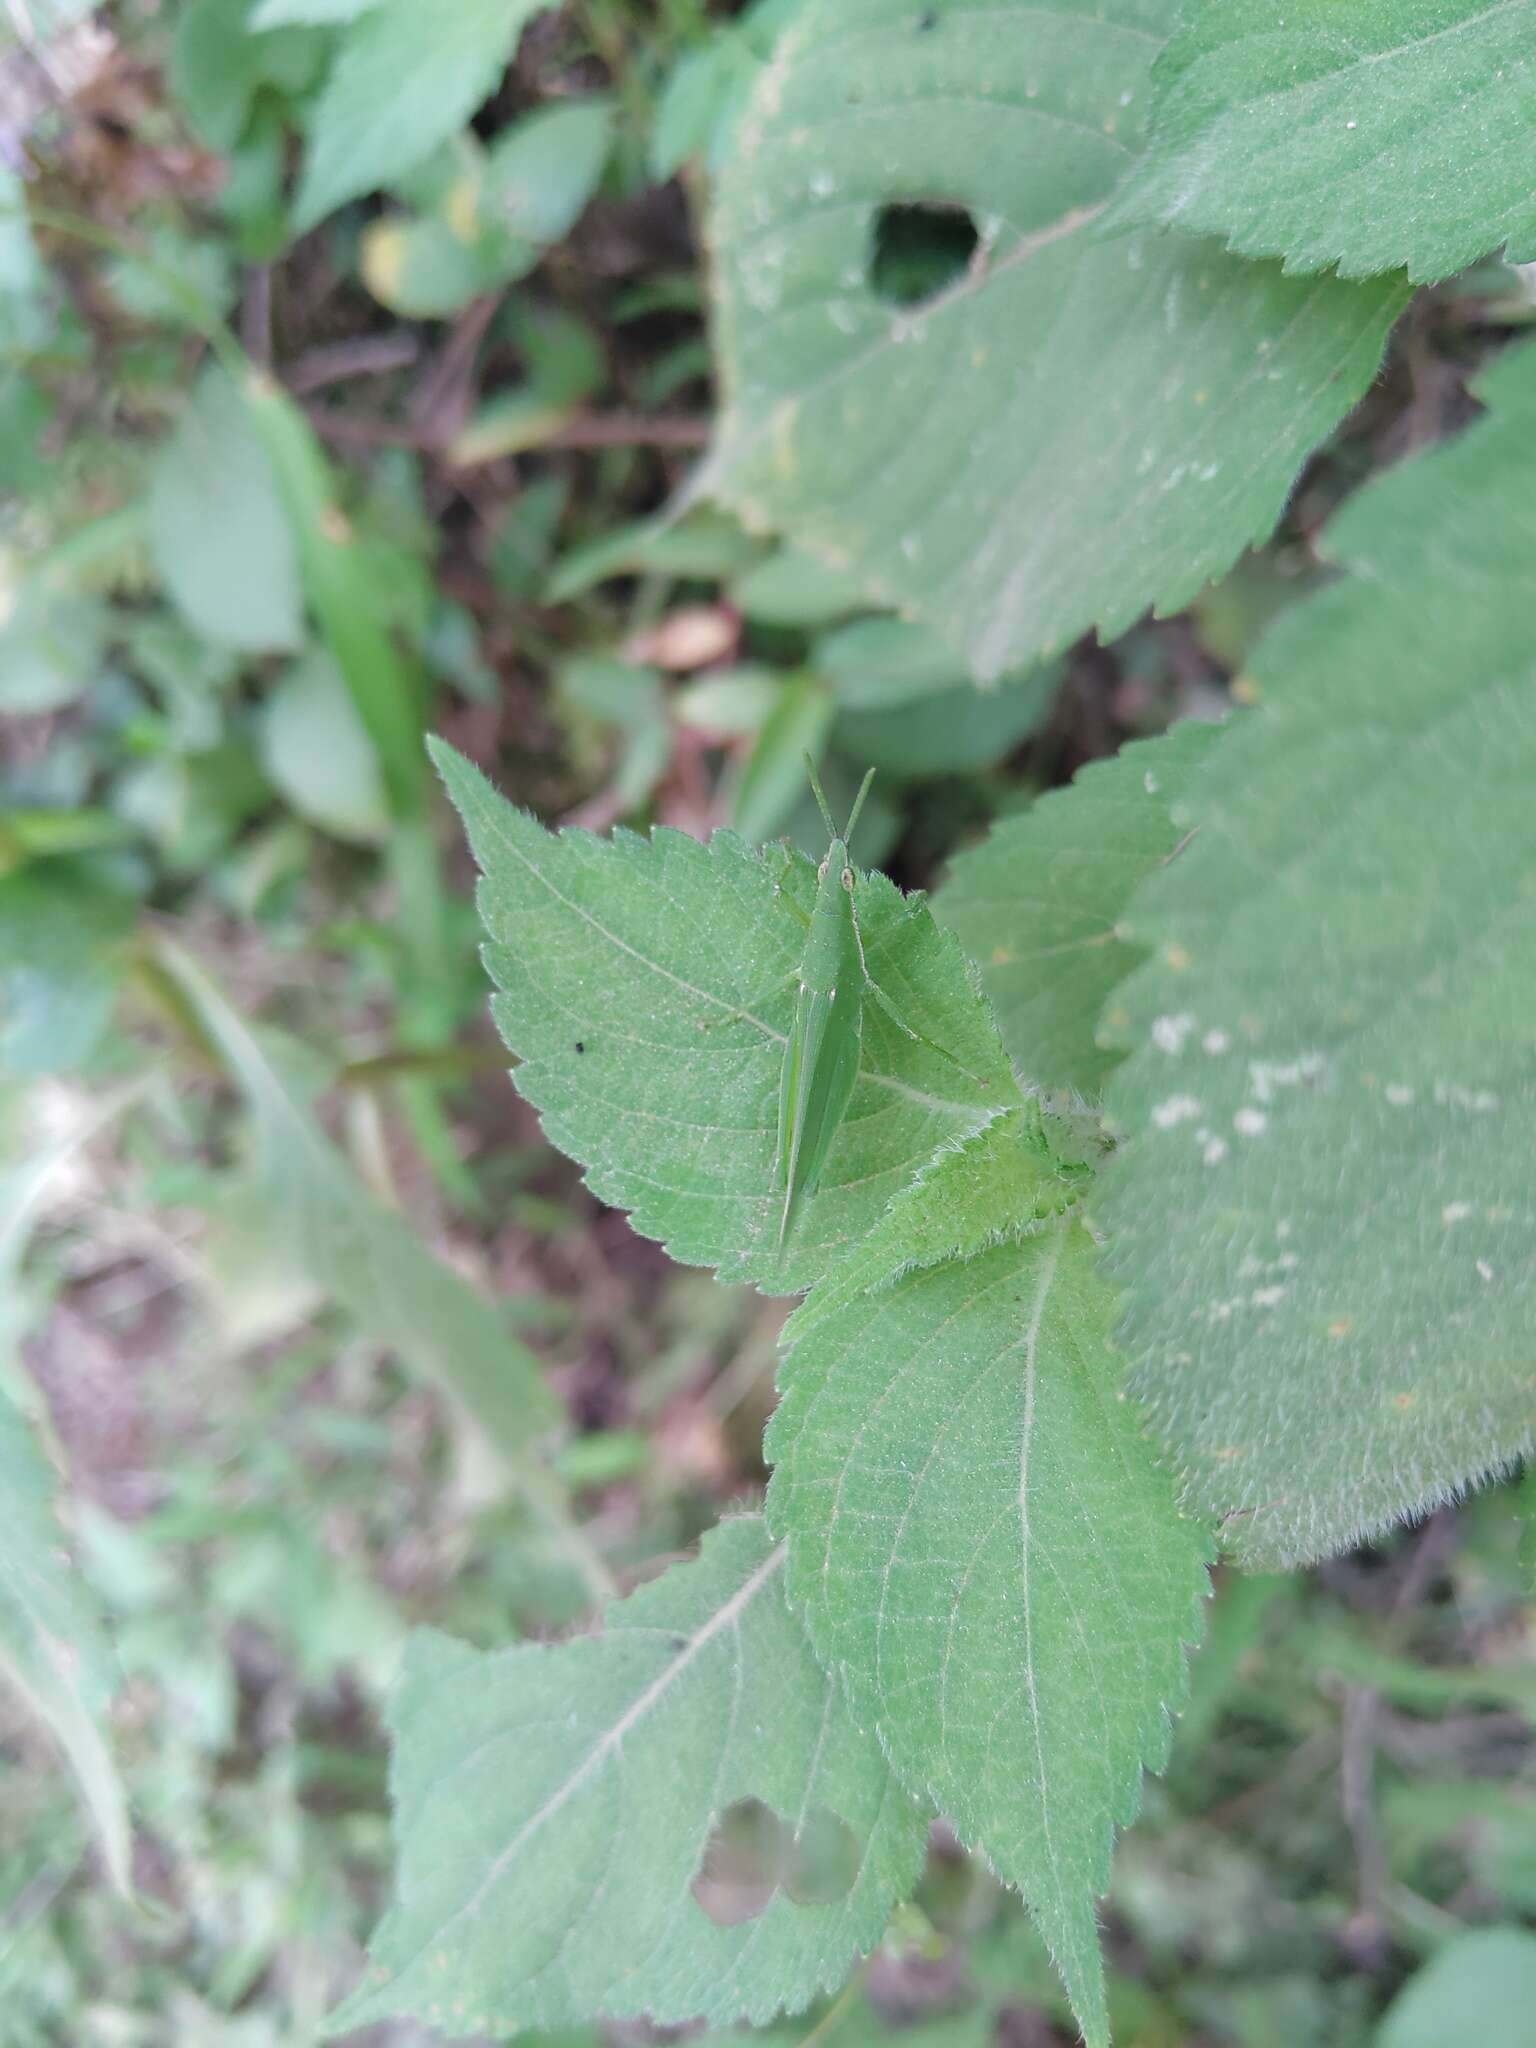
(316, 433)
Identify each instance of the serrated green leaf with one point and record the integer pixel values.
(981, 1542)
(1069, 430)
(406, 77)
(1348, 133)
(220, 538)
(1002, 1182)
(553, 1807)
(1038, 905)
(1322, 1219)
(648, 989)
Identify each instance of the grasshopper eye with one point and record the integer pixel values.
(848, 880)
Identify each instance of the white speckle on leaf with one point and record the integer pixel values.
(1455, 1212)
(1399, 1094)
(1149, 783)
(1268, 1297)
(1215, 1042)
(1169, 1033)
(1485, 1269)
(1251, 1122)
(1452, 1095)
(1175, 1109)
(1266, 1076)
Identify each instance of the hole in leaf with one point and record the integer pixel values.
(919, 251)
(823, 1860)
(744, 1863)
(752, 1854)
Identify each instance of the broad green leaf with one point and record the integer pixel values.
(1480, 1987)
(51, 1643)
(268, 14)
(217, 65)
(217, 527)
(790, 588)
(1350, 134)
(1322, 1219)
(24, 314)
(1066, 429)
(878, 664)
(318, 753)
(1038, 906)
(648, 987)
(407, 76)
(554, 1806)
(981, 1542)
(52, 640)
(424, 268)
(1004, 1181)
(363, 1255)
(958, 731)
(63, 936)
(544, 168)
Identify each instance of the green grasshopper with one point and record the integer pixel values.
(821, 1060)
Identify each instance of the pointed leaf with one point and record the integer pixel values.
(218, 530)
(1347, 133)
(981, 1542)
(648, 989)
(1038, 904)
(1064, 429)
(554, 1806)
(1480, 1985)
(407, 77)
(1322, 1219)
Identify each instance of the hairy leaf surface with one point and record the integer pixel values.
(1038, 904)
(1331, 1095)
(1349, 133)
(554, 1805)
(648, 988)
(1067, 429)
(980, 1541)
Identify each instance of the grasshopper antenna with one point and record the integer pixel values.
(816, 791)
(858, 804)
